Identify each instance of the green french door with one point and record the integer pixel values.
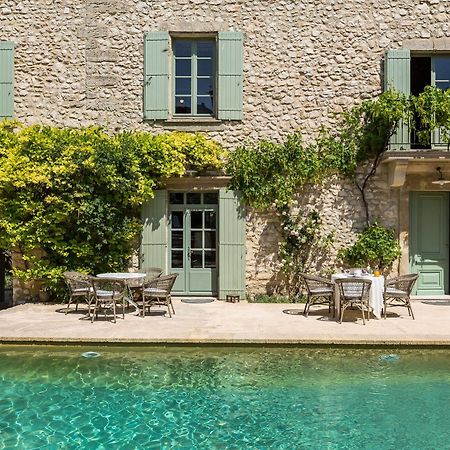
(429, 241)
(193, 241)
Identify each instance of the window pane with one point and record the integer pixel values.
(204, 105)
(196, 259)
(182, 105)
(210, 219)
(183, 86)
(442, 68)
(210, 258)
(210, 239)
(183, 67)
(177, 239)
(205, 48)
(177, 219)
(177, 259)
(182, 48)
(204, 67)
(196, 239)
(176, 198)
(194, 199)
(196, 219)
(205, 86)
(210, 198)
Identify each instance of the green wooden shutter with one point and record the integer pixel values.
(230, 75)
(156, 75)
(231, 245)
(397, 75)
(6, 79)
(154, 234)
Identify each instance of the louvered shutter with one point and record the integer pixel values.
(230, 75)
(6, 79)
(156, 75)
(231, 245)
(154, 234)
(397, 75)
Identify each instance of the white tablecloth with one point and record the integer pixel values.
(375, 293)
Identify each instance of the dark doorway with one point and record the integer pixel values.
(420, 77)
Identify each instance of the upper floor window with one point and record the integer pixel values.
(410, 74)
(194, 77)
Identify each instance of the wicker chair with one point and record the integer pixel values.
(320, 291)
(79, 287)
(354, 292)
(158, 292)
(136, 286)
(397, 292)
(108, 293)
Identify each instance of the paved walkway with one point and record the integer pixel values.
(228, 323)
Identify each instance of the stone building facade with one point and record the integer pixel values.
(81, 62)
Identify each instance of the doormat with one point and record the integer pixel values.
(437, 302)
(197, 300)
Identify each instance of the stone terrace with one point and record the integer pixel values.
(227, 323)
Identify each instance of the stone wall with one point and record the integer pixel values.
(80, 62)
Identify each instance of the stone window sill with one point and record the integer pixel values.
(193, 124)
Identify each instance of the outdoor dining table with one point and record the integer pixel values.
(126, 277)
(375, 294)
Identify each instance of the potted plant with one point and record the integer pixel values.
(376, 247)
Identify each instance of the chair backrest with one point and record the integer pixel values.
(313, 282)
(403, 283)
(162, 283)
(353, 288)
(76, 281)
(152, 272)
(113, 286)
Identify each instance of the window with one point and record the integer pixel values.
(6, 79)
(193, 78)
(410, 74)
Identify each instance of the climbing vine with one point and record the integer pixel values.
(70, 198)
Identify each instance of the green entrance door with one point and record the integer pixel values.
(193, 241)
(429, 241)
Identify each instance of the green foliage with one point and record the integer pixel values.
(431, 108)
(75, 194)
(263, 298)
(376, 247)
(303, 244)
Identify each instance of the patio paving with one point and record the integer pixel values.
(228, 323)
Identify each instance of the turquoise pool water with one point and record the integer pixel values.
(224, 398)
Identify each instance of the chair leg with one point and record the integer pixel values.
(306, 310)
(168, 307)
(171, 304)
(410, 309)
(68, 304)
(342, 308)
(362, 310)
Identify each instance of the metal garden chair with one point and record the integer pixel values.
(320, 291)
(353, 292)
(79, 288)
(397, 292)
(158, 292)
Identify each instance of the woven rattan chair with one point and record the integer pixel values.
(397, 292)
(79, 288)
(354, 292)
(158, 292)
(320, 291)
(136, 286)
(108, 293)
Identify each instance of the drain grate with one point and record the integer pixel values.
(437, 302)
(197, 300)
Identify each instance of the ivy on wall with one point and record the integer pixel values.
(75, 194)
(269, 174)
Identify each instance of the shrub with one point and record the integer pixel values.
(376, 246)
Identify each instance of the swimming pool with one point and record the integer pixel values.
(234, 398)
